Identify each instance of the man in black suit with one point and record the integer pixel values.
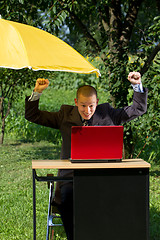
(86, 110)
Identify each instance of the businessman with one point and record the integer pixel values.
(86, 111)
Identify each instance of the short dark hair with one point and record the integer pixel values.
(86, 90)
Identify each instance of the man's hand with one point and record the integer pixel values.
(134, 78)
(41, 84)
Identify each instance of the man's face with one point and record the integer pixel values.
(86, 105)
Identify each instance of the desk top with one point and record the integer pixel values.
(66, 164)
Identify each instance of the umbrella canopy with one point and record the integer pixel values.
(24, 46)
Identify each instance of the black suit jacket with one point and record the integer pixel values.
(68, 116)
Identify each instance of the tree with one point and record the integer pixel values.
(111, 29)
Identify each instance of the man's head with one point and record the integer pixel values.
(86, 101)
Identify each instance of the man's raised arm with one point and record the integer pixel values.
(41, 85)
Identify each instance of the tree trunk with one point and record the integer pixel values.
(3, 117)
(2, 131)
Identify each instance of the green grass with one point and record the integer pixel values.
(155, 202)
(16, 220)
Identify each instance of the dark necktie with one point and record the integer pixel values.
(86, 123)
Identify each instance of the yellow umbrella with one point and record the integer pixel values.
(24, 46)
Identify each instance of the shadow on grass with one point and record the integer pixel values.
(44, 152)
(155, 173)
(33, 150)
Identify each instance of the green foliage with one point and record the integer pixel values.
(146, 130)
(24, 11)
(150, 47)
(12, 85)
(14, 82)
(154, 202)
(152, 34)
(71, 81)
(145, 20)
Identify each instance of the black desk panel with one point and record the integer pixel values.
(111, 204)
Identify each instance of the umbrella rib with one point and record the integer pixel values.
(23, 46)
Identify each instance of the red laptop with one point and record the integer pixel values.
(96, 143)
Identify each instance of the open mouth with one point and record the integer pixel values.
(87, 116)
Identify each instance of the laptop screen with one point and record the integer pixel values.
(97, 142)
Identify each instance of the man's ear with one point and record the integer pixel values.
(75, 100)
(97, 101)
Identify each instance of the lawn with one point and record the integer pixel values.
(16, 191)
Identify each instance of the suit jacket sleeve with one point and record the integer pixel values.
(138, 108)
(48, 119)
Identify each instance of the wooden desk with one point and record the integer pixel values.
(111, 200)
(66, 164)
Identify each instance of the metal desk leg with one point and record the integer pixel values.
(34, 204)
